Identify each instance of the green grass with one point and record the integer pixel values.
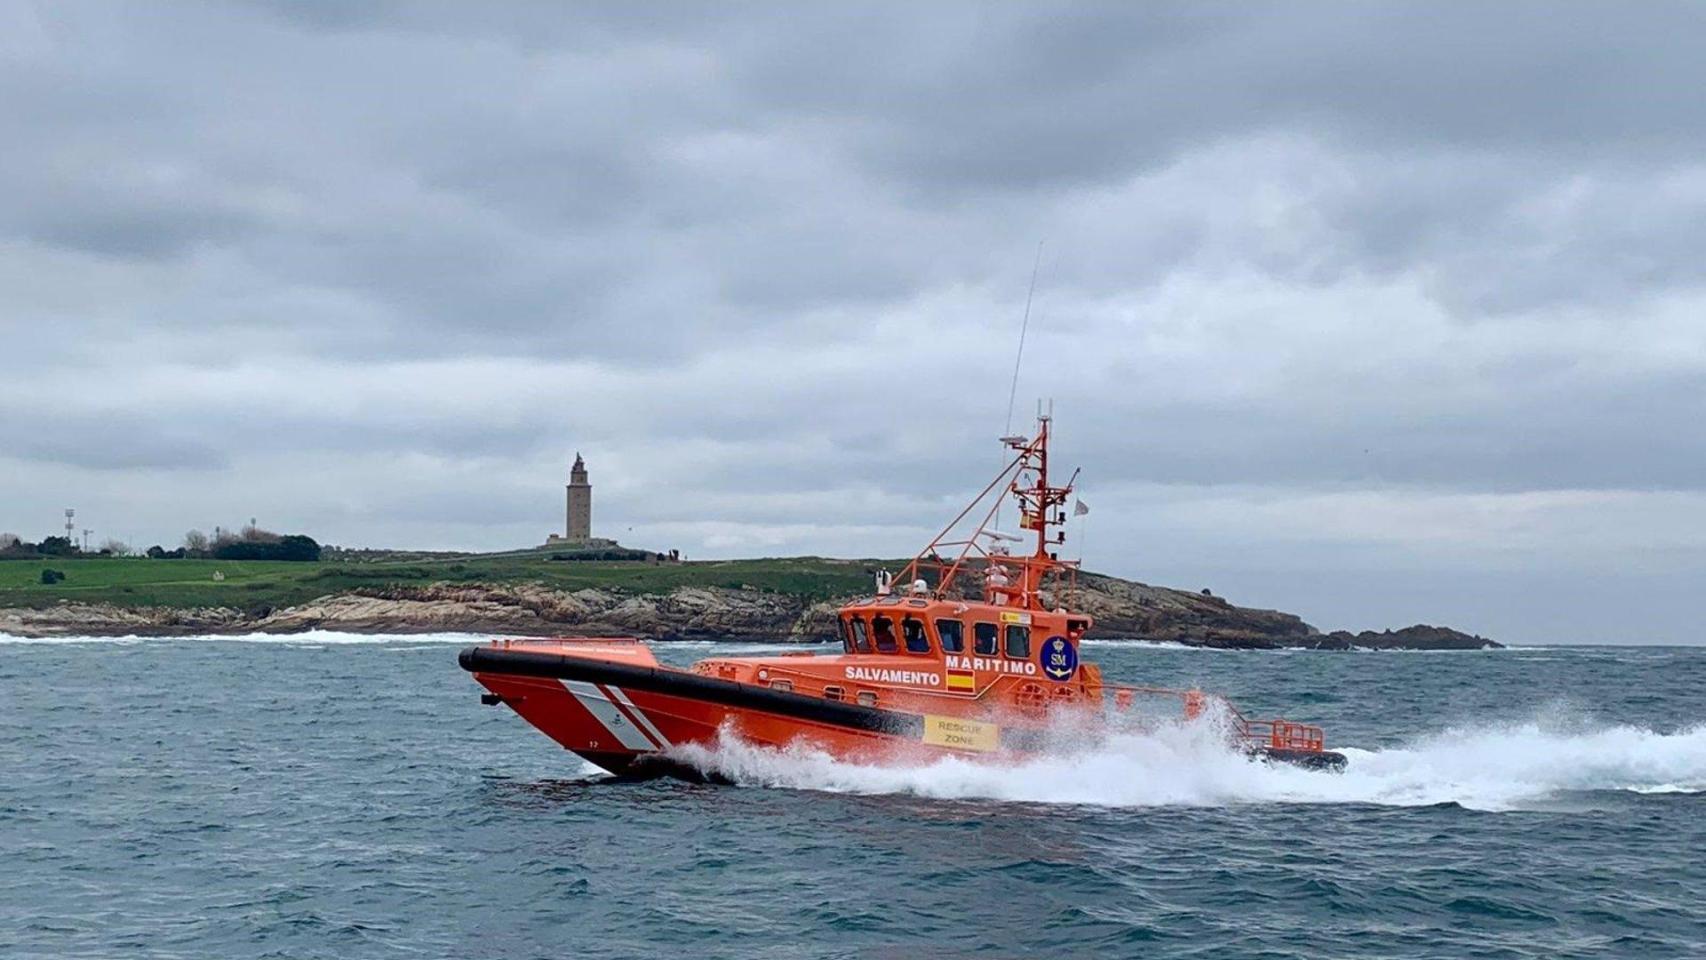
(139, 582)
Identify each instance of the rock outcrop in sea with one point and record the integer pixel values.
(1419, 637)
(1121, 608)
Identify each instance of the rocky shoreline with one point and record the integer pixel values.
(1121, 608)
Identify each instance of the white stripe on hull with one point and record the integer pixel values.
(610, 716)
(639, 715)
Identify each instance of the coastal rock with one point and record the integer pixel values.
(100, 619)
(687, 613)
(1419, 637)
(816, 622)
(1121, 608)
(1125, 608)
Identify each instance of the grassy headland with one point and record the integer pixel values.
(252, 584)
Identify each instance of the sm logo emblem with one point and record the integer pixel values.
(1059, 659)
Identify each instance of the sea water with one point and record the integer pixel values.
(333, 795)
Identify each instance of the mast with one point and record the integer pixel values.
(1026, 479)
(1037, 509)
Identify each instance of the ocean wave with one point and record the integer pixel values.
(1129, 643)
(1141, 644)
(1486, 768)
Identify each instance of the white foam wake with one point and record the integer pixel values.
(1492, 768)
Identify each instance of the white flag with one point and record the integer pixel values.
(1079, 508)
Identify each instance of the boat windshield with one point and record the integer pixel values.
(952, 634)
(912, 630)
(1018, 641)
(882, 630)
(855, 639)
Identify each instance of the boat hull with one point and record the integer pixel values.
(633, 719)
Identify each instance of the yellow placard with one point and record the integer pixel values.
(1010, 616)
(961, 734)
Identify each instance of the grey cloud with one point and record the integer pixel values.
(766, 263)
(531, 196)
(114, 442)
(1055, 94)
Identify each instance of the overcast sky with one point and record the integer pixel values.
(1378, 313)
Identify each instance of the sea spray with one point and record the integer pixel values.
(1490, 768)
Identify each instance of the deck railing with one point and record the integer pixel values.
(1274, 734)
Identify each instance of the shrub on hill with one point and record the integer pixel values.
(292, 547)
(606, 554)
(56, 547)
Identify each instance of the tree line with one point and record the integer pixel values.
(249, 543)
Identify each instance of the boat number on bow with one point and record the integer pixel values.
(916, 678)
(1060, 659)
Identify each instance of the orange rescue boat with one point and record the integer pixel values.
(972, 654)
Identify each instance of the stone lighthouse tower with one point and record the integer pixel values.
(580, 503)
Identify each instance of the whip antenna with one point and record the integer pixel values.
(1024, 325)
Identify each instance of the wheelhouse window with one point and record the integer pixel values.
(983, 639)
(861, 640)
(846, 635)
(952, 635)
(912, 631)
(882, 631)
(1018, 641)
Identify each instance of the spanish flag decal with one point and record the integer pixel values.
(962, 680)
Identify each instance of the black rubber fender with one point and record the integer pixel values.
(1324, 760)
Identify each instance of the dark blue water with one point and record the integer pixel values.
(311, 798)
